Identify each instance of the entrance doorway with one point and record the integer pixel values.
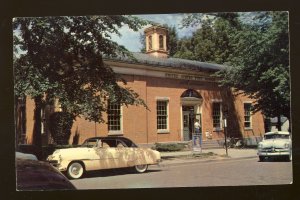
(188, 121)
(189, 116)
(191, 102)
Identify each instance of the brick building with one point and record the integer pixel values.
(177, 92)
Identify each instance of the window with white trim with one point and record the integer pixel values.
(114, 117)
(162, 114)
(216, 115)
(247, 115)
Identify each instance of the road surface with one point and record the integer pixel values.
(197, 174)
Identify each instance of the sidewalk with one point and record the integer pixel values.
(169, 158)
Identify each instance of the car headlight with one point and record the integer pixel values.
(260, 145)
(286, 145)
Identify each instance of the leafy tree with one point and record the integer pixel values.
(260, 67)
(214, 41)
(203, 41)
(62, 58)
(256, 52)
(185, 49)
(172, 39)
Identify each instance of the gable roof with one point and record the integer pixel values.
(177, 63)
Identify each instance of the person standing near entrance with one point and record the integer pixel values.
(197, 132)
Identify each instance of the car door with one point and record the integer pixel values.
(109, 155)
(126, 154)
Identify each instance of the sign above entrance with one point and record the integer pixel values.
(188, 77)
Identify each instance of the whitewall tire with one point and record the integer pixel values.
(141, 168)
(75, 170)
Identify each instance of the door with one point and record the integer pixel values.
(186, 126)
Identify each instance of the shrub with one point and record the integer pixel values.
(60, 125)
(169, 146)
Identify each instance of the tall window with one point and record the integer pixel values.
(150, 42)
(216, 115)
(114, 117)
(162, 115)
(161, 41)
(247, 115)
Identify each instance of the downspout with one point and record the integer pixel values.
(147, 126)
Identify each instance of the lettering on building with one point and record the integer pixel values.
(186, 77)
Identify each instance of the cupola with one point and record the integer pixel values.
(156, 41)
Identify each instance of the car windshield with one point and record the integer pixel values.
(275, 136)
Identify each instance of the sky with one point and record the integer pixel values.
(131, 39)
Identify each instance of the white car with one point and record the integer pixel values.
(275, 144)
(103, 153)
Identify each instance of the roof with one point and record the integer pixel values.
(170, 62)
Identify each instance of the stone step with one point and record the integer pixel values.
(211, 144)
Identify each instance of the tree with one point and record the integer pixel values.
(62, 58)
(214, 40)
(185, 49)
(260, 67)
(255, 51)
(172, 39)
(203, 41)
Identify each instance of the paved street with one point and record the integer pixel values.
(224, 172)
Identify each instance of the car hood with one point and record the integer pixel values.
(274, 143)
(72, 151)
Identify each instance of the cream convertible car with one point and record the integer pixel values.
(103, 153)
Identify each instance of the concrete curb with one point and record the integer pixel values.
(166, 163)
(184, 157)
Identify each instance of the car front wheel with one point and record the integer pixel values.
(75, 170)
(141, 168)
(290, 157)
(261, 158)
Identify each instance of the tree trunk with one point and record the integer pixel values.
(37, 136)
(20, 120)
(279, 123)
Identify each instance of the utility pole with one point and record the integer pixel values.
(225, 115)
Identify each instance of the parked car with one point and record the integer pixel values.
(103, 153)
(275, 144)
(38, 175)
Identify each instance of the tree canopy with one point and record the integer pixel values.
(62, 58)
(256, 53)
(260, 66)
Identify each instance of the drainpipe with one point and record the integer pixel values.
(95, 129)
(147, 126)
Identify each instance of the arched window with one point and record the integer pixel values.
(150, 42)
(161, 41)
(191, 93)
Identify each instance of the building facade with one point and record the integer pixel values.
(177, 92)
